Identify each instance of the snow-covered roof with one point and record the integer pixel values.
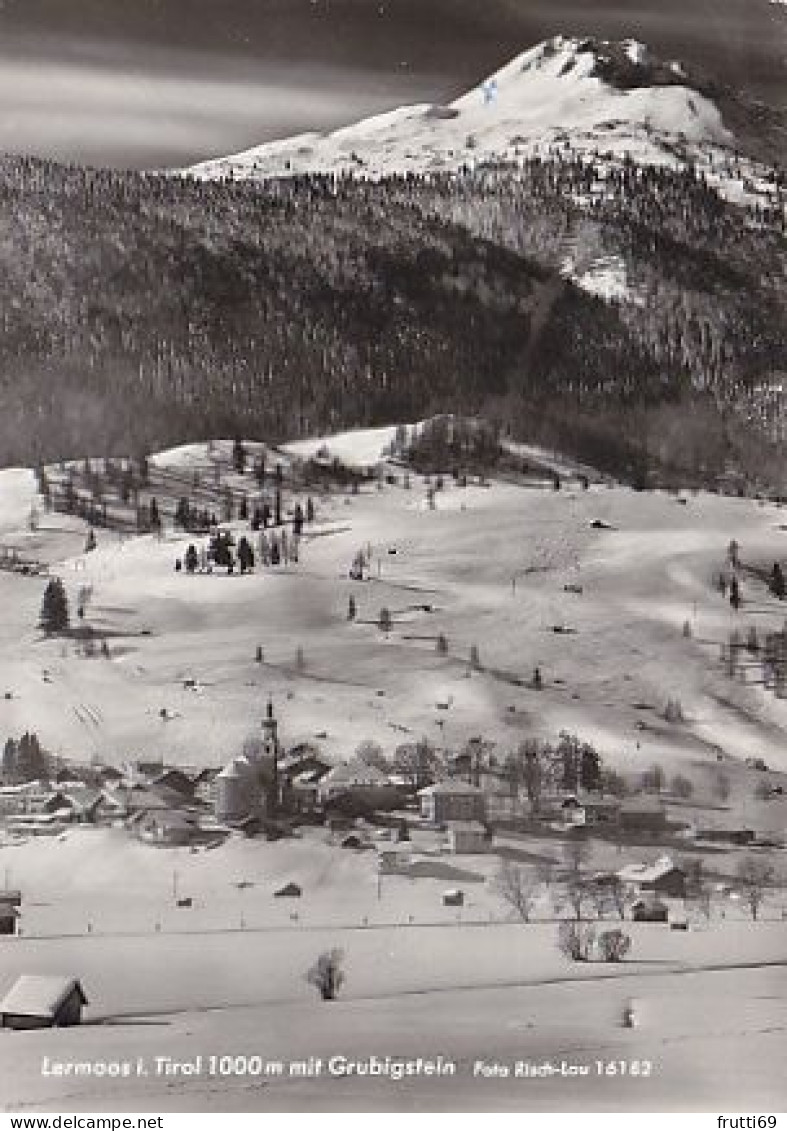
(308, 777)
(141, 797)
(451, 788)
(355, 772)
(466, 827)
(237, 768)
(35, 995)
(648, 873)
(23, 790)
(174, 778)
(34, 820)
(171, 819)
(82, 797)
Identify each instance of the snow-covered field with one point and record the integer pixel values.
(488, 566)
(228, 978)
(704, 1039)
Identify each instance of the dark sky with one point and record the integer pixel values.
(167, 82)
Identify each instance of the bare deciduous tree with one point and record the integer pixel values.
(418, 763)
(372, 754)
(327, 975)
(614, 945)
(578, 887)
(576, 940)
(609, 896)
(518, 887)
(698, 890)
(754, 877)
(682, 787)
(653, 780)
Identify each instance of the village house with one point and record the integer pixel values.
(41, 1002)
(57, 802)
(141, 799)
(205, 785)
(303, 758)
(167, 828)
(176, 782)
(68, 778)
(466, 837)
(301, 792)
(107, 808)
(357, 784)
(502, 805)
(10, 903)
(148, 769)
(86, 804)
(35, 824)
(394, 861)
(109, 775)
(76, 804)
(662, 878)
(8, 918)
(572, 812)
(452, 800)
(649, 910)
(29, 797)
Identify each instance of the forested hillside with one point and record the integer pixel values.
(140, 311)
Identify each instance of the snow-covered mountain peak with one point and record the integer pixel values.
(587, 95)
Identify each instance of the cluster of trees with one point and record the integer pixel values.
(568, 885)
(225, 552)
(569, 764)
(571, 888)
(418, 763)
(452, 443)
(24, 759)
(321, 302)
(764, 656)
(717, 348)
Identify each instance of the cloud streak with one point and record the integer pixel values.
(78, 110)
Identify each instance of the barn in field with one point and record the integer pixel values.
(9, 915)
(42, 1002)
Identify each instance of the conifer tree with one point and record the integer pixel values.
(54, 608)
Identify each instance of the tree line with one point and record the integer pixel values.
(139, 311)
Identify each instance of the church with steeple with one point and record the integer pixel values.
(249, 786)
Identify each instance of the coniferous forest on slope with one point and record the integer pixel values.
(141, 311)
